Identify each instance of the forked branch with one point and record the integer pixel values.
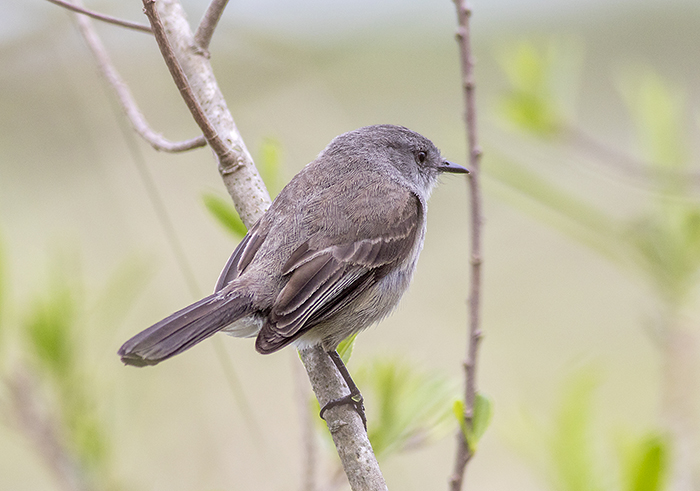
(126, 99)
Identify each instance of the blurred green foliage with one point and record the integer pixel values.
(540, 80)
(645, 464)
(570, 444)
(49, 327)
(577, 454)
(409, 407)
(657, 109)
(662, 241)
(54, 341)
(55, 354)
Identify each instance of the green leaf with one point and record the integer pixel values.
(646, 464)
(570, 441)
(458, 411)
(345, 348)
(483, 413)
(667, 243)
(225, 213)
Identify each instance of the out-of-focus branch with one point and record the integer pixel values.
(42, 431)
(126, 100)
(464, 453)
(206, 28)
(103, 17)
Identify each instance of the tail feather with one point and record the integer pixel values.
(183, 329)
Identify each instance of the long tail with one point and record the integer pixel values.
(183, 329)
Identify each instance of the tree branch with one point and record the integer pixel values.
(464, 453)
(103, 17)
(344, 424)
(206, 28)
(194, 77)
(126, 99)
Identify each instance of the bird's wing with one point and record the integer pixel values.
(241, 257)
(324, 279)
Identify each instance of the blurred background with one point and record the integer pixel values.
(589, 116)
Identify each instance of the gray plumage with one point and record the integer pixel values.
(332, 255)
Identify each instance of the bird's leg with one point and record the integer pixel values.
(354, 398)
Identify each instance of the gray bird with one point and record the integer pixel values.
(332, 255)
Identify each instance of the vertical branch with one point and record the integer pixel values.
(464, 453)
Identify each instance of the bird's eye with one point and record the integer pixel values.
(420, 157)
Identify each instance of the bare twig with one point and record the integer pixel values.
(208, 23)
(103, 17)
(464, 453)
(126, 100)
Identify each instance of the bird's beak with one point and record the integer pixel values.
(448, 166)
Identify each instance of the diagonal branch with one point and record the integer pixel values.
(126, 99)
(195, 78)
(224, 152)
(103, 17)
(464, 453)
(206, 28)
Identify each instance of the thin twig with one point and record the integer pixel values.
(103, 17)
(206, 28)
(126, 99)
(227, 157)
(464, 453)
